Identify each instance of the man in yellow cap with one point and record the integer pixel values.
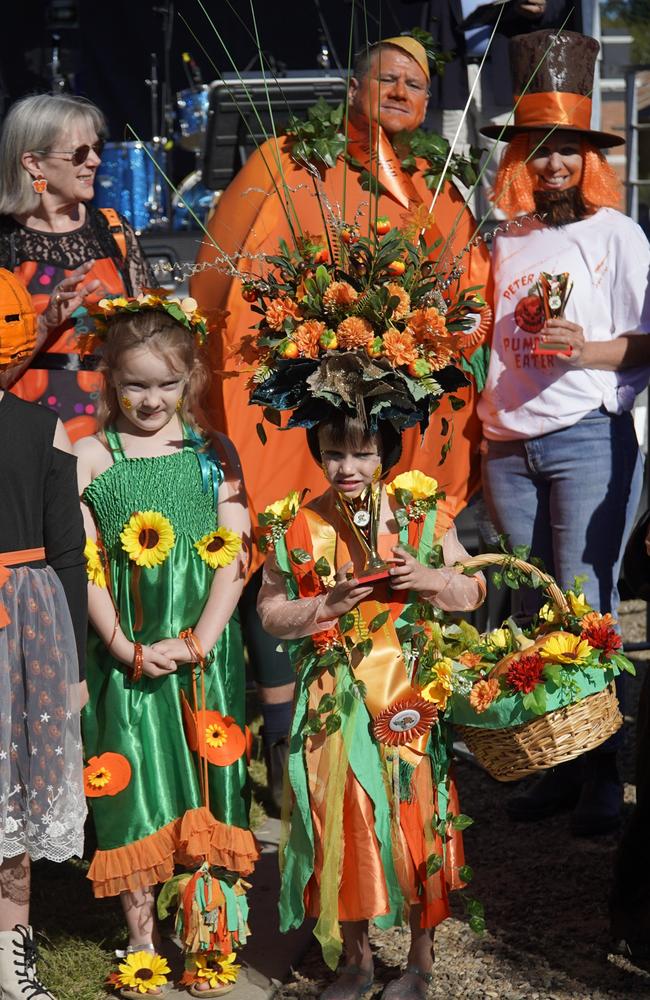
(271, 198)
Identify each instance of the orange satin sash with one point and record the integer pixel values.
(554, 108)
(7, 559)
(371, 147)
(383, 671)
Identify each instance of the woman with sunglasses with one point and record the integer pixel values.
(67, 253)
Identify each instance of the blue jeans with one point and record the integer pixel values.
(572, 497)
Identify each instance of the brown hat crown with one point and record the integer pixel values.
(566, 62)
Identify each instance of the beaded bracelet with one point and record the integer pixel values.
(138, 660)
(193, 645)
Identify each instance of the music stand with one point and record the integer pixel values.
(234, 131)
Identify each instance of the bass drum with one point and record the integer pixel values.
(191, 199)
(129, 181)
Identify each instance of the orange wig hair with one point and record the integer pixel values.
(514, 183)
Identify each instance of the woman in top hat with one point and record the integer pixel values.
(562, 468)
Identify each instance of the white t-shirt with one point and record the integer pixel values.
(608, 259)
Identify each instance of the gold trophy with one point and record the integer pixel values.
(363, 518)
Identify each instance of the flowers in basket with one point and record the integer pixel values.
(514, 675)
(354, 316)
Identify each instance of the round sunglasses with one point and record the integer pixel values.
(78, 155)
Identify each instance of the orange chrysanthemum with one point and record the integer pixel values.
(280, 309)
(483, 694)
(306, 337)
(427, 324)
(399, 348)
(439, 354)
(354, 332)
(404, 306)
(339, 295)
(600, 633)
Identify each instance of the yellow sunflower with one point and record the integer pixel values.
(143, 971)
(94, 567)
(565, 648)
(148, 538)
(99, 778)
(218, 970)
(440, 687)
(421, 487)
(215, 735)
(219, 548)
(286, 509)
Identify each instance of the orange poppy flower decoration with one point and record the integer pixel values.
(107, 774)
(215, 736)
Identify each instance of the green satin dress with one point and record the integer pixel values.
(142, 829)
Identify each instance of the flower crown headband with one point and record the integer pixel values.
(184, 311)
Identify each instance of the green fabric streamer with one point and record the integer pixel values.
(477, 365)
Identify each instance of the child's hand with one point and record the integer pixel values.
(175, 649)
(345, 594)
(155, 663)
(409, 574)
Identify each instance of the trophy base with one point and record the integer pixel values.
(373, 575)
(551, 348)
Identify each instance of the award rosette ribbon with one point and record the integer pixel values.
(554, 290)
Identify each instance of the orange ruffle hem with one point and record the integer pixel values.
(187, 841)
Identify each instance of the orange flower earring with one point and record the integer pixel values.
(126, 402)
(39, 184)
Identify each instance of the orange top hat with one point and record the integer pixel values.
(558, 95)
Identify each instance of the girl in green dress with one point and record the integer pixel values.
(168, 531)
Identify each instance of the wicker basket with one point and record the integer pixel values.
(549, 740)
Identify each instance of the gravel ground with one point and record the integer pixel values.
(545, 898)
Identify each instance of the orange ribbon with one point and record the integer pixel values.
(371, 147)
(383, 670)
(554, 108)
(15, 558)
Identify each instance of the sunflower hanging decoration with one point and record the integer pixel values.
(148, 537)
(219, 548)
(141, 972)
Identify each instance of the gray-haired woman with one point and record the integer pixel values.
(67, 253)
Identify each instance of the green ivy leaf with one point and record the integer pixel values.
(346, 621)
(299, 556)
(477, 924)
(364, 647)
(322, 567)
(466, 873)
(261, 433)
(434, 864)
(327, 703)
(378, 621)
(461, 822)
(333, 723)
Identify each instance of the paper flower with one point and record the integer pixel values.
(399, 347)
(426, 324)
(280, 310)
(148, 538)
(339, 295)
(107, 774)
(219, 548)
(142, 972)
(94, 565)
(420, 487)
(306, 337)
(565, 648)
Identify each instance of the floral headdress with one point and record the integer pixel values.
(185, 311)
(366, 325)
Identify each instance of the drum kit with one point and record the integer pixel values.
(131, 177)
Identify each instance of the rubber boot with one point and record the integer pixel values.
(18, 979)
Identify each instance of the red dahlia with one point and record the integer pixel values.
(525, 673)
(603, 636)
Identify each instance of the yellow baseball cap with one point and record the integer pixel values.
(413, 48)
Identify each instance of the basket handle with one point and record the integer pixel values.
(497, 559)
